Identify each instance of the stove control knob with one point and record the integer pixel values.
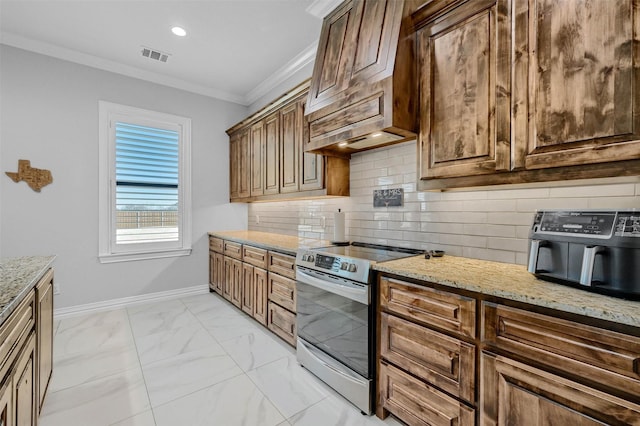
(353, 267)
(310, 258)
(344, 266)
(305, 257)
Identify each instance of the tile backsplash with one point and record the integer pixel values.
(484, 224)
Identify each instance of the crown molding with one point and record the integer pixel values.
(321, 8)
(301, 60)
(70, 55)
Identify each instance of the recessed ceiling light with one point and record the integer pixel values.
(179, 31)
(343, 144)
(376, 135)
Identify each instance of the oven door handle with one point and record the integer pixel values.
(352, 292)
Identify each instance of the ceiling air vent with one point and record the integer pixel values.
(155, 54)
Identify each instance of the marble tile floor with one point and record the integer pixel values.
(191, 361)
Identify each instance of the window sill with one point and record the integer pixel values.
(129, 257)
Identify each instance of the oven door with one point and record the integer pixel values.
(333, 315)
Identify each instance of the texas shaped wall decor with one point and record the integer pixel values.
(35, 178)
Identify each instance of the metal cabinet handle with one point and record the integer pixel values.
(588, 260)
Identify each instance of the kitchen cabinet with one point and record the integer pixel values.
(239, 150)
(24, 382)
(464, 88)
(6, 402)
(526, 91)
(451, 356)
(278, 168)
(44, 334)
(363, 78)
(258, 281)
(411, 320)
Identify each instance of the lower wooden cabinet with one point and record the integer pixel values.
(418, 404)
(6, 402)
(236, 283)
(247, 293)
(282, 291)
(261, 295)
(24, 382)
(44, 333)
(282, 322)
(514, 393)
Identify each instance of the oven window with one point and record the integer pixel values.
(334, 324)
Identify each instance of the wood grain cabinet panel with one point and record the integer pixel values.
(581, 351)
(247, 295)
(216, 272)
(282, 264)
(261, 295)
(272, 147)
(282, 291)
(239, 165)
(444, 310)
(44, 336)
(577, 82)
(233, 249)
(255, 255)
(517, 394)
(446, 362)
(237, 283)
(24, 382)
(229, 277)
(290, 146)
(14, 332)
(216, 244)
(282, 322)
(464, 85)
(6, 402)
(419, 404)
(257, 159)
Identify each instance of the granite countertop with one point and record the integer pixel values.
(513, 282)
(278, 242)
(18, 275)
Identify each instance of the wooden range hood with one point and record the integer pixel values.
(363, 83)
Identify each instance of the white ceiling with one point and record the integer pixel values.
(235, 50)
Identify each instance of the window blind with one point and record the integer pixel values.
(147, 179)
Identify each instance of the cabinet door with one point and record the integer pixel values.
(24, 381)
(248, 292)
(44, 330)
(464, 79)
(6, 403)
(257, 159)
(576, 82)
(311, 165)
(234, 142)
(243, 165)
(236, 286)
(261, 294)
(283, 323)
(229, 278)
(272, 154)
(517, 394)
(219, 273)
(290, 147)
(212, 271)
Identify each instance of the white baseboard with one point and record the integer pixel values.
(108, 305)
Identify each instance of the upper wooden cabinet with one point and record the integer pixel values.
(267, 157)
(584, 73)
(516, 91)
(363, 78)
(464, 88)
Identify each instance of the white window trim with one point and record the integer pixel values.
(106, 182)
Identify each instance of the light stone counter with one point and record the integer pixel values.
(278, 242)
(513, 282)
(18, 275)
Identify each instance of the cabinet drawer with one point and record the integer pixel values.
(15, 331)
(255, 256)
(417, 403)
(216, 244)
(232, 249)
(282, 264)
(282, 323)
(441, 309)
(282, 291)
(518, 394)
(583, 351)
(443, 361)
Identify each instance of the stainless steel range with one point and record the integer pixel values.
(336, 316)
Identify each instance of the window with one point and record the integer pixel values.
(145, 202)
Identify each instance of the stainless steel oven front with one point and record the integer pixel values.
(335, 336)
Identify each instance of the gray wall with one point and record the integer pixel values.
(49, 115)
